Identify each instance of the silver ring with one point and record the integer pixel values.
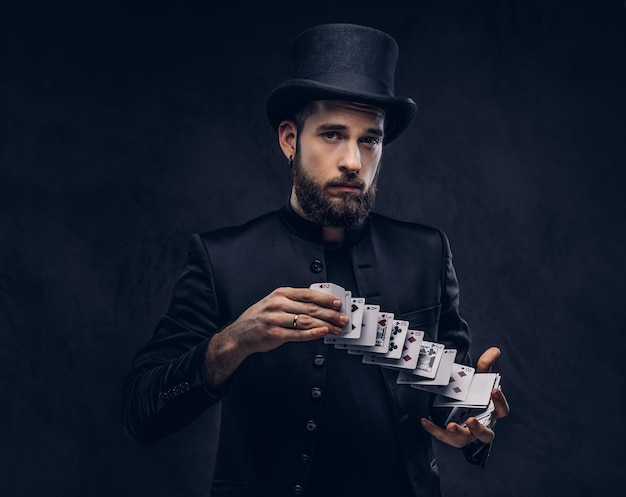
(295, 321)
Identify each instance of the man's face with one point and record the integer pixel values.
(335, 168)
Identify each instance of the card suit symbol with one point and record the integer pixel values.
(407, 357)
(396, 330)
(432, 351)
(412, 339)
(382, 322)
(392, 346)
(462, 373)
(457, 389)
(353, 327)
(354, 307)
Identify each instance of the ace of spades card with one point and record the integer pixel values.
(369, 324)
(357, 309)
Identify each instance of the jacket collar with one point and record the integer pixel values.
(312, 232)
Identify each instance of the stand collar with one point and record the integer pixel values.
(312, 232)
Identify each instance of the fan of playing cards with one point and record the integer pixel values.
(424, 365)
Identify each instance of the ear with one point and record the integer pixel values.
(287, 134)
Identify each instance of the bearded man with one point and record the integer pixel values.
(244, 328)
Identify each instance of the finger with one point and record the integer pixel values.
(320, 305)
(453, 435)
(500, 403)
(302, 322)
(479, 431)
(308, 295)
(487, 359)
(312, 315)
(305, 335)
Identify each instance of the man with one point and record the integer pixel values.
(243, 328)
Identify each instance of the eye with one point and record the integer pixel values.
(331, 135)
(370, 140)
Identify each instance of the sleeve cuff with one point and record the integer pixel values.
(477, 453)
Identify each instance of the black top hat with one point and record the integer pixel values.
(343, 62)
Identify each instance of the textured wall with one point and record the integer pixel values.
(124, 129)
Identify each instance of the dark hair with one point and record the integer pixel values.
(304, 112)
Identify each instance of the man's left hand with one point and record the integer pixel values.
(458, 436)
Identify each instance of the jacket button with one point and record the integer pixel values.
(297, 490)
(163, 396)
(304, 458)
(311, 425)
(318, 360)
(316, 393)
(317, 266)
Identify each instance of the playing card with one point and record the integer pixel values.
(408, 357)
(429, 359)
(410, 352)
(444, 371)
(340, 293)
(478, 394)
(332, 289)
(357, 309)
(383, 332)
(369, 324)
(483, 416)
(397, 336)
(458, 386)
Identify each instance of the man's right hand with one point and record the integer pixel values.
(268, 324)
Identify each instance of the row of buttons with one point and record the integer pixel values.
(316, 393)
(175, 391)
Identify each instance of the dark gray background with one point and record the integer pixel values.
(127, 127)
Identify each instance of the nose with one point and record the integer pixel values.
(351, 158)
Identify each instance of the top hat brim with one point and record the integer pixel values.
(295, 93)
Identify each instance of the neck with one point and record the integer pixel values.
(333, 237)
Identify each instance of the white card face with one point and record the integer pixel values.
(408, 357)
(410, 351)
(349, 328)
(340, 293)
(369, 324)
(459, 384)
(479, 393)
(383, 332)
(357, 309)
(444, 371)
(429, 359)
(331, 289)
(397, 336)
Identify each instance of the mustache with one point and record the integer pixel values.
(347, 180)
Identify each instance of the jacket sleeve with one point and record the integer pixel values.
(165, 387)
(454, 330)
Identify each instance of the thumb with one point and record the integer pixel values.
(487, 359)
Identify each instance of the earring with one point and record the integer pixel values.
(290, 161)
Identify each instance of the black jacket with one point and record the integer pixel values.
(404, 267)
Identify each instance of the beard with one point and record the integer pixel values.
(347, 210)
